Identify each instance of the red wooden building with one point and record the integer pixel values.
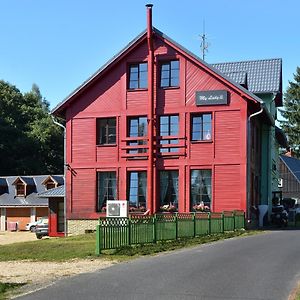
(161, 128)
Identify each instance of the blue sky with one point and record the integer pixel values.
(58, 44)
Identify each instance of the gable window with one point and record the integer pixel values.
(200, 190)
(138, 76)
(137, 127)
(20, 189)
(107, 188)
(169, 75)
(201, 125)
(137, 191)
(169, 126)
(106, 131)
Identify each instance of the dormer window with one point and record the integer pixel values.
(20, 189)
(50, 185)
(24, 186)
(52, 182)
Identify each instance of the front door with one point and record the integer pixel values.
(60, 217)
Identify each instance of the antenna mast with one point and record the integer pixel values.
(204, 44)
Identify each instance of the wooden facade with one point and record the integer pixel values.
(107, 95)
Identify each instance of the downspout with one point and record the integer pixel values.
(65, 172)
(150, 116)
(249, 156)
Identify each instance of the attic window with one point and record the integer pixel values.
(169, 75)
(138, 76)
(20, 189)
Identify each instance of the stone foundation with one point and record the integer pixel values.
(76, 227)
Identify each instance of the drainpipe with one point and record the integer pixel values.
(65, 172)
(249, 155)
(150, 109)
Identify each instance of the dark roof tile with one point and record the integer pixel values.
(293, 164)
(264, 76)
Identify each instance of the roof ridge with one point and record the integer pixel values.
(248, 61)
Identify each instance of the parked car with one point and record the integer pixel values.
(41, 230)
(32, 225)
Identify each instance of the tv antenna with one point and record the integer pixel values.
(204, 44)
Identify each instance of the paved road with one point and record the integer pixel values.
(265, 266)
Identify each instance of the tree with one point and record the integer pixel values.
(291, 113)
(30, 143)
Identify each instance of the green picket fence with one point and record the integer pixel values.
(113, 233)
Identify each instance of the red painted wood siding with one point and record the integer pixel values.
(225, 155)
(228, 188)
(83, 192)
(227, 135)
(83, 140)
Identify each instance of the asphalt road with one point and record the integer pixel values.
(265, 266)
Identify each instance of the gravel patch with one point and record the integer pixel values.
(38, 275)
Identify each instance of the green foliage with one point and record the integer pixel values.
(291, 113)
(6, 287)
(30, 143)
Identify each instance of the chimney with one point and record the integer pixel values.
(149, 24)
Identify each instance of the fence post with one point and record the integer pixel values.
(98, 250)
(129, 229)
(194, 220)
(154, 228)
(209, 223)
(234, 220)
(176, 223)
(223, 222)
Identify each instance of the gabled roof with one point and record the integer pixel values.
(9, 199)
(293, 164)
(58, 110)
(26, 180)
(53, 193)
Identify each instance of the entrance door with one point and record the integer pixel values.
(60, 217)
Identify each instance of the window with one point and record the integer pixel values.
(50, 185)
(137, 191)
(107, 188)
(169, 76)
(137, 127)
(201, 127)
(106, 129)
(169, 126)
(200, 190)
(20, 189)
(138, 76)
(168, 190)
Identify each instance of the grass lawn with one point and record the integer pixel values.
(83, 246)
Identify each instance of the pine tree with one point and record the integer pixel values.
(291, 113)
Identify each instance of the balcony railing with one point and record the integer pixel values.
(166, 146)
(135, 147)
